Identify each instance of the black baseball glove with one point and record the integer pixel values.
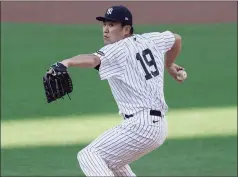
(57, 82)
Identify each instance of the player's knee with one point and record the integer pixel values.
(83, 155)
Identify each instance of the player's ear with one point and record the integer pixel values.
(127, 29)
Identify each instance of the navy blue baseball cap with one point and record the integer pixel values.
(117, 14)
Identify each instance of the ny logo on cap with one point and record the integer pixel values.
(109, 11)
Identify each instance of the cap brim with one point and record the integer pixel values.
(103, 19)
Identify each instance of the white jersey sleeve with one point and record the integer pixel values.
(113, 58)
(164, 41)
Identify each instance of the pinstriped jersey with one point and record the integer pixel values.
(134, 68)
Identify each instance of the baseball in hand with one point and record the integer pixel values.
(182, 75)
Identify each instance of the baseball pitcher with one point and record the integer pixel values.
(133, 65)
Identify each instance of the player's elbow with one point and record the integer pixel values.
(178, 38)
(178, 41)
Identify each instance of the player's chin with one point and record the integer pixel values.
(106, 42)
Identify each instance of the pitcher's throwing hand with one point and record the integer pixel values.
(133, 65)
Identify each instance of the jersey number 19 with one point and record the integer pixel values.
(149, 63)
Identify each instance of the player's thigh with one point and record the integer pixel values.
(103, 138)
(123, 144)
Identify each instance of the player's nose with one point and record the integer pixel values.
(105, 29)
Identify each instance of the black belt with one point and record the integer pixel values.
(152, 113)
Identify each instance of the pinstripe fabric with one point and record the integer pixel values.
(125, 74)
(123, 171)
(116, 148)
(134, 68)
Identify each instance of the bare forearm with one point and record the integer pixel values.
(82, 61)
(172, 54)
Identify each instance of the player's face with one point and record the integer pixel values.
(113, 32)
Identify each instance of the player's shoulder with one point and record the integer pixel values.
(156, 34)
(147, 34)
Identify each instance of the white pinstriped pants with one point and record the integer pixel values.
(111, 152)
